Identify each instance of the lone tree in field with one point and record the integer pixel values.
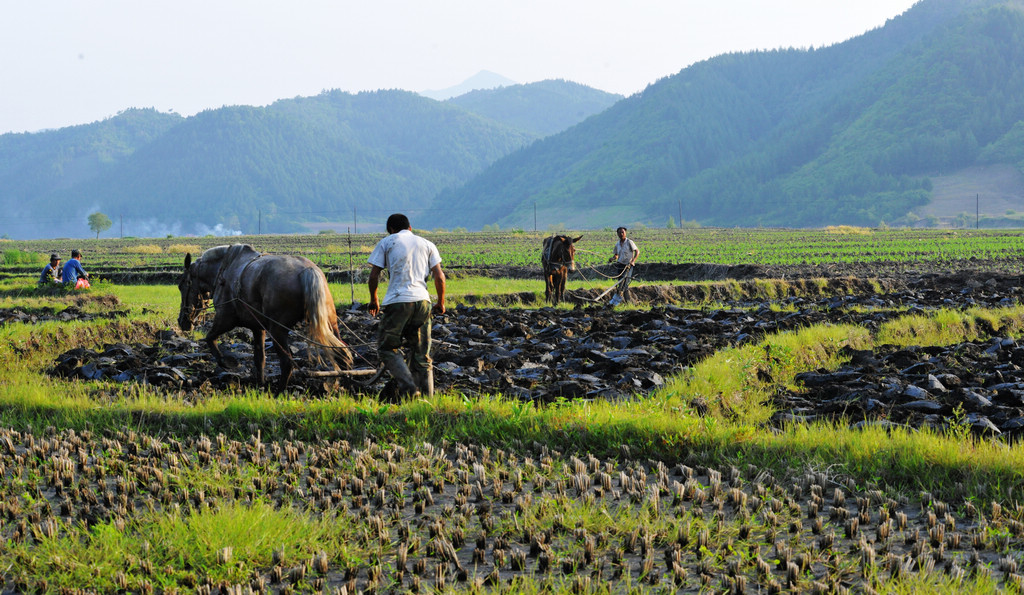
(99, 222)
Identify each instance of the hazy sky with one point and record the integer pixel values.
(66, 62)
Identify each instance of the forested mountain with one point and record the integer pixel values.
(850, 133)
(542, 108)
(34, 166)
(246, 168)
(859, 133)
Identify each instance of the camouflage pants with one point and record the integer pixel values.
(406, 324)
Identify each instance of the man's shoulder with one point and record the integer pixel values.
(412, 238)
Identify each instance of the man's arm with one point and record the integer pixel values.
(371, 284)
(439, 285)
(636, 253)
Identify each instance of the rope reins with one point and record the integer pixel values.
(597, 271)
(367, 382)
(259, 316)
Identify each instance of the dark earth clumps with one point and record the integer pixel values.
(596, 351)
(458, 516)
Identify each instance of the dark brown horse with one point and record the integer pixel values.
(263, 293)
(557, 259)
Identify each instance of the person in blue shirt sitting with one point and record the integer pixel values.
(51, 272)
(74, 275)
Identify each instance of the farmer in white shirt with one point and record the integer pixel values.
(405, 320)
(624, 256)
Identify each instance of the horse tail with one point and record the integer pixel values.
(322, 319)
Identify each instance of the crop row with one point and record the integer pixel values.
(673, 246)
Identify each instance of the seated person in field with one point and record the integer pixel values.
(51, 272)
(74, 276)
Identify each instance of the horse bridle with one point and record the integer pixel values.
(197, 301)
(560, 263)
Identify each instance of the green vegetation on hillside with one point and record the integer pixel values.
(543, 108)
(246, 168)
(846, 134)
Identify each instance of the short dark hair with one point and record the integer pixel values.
(397, 223)
(75, 254)
(618, 229)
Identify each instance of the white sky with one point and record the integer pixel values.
(66, 62)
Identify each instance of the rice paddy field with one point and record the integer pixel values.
(697, 484)
(520, 248)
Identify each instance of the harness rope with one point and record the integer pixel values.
(620, 277)
(196, 312)
(252, 309)
(595, 269)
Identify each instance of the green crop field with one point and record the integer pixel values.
(522, 249)
(136, 487)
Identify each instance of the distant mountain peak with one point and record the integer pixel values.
(485, 79)
(542, 108)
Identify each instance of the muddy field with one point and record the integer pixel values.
(595, 351)
(457, 516)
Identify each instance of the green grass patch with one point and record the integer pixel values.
(15, 256)
(167, 549)
(717, 408)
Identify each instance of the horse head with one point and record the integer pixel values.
(560, 250)
(193, 295)
(570, 248)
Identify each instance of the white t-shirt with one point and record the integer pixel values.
(408, 259)
(625, 250)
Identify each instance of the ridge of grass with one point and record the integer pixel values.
(714, 414)
(734, 385)
(718, 408)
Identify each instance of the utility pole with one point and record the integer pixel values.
(351, 282)
(355, 221)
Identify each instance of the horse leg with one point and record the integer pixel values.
(221, 325)
(279, 335)
(552, 288)
(561, 283)
(259, 356)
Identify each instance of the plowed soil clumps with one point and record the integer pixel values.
(599, 352)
